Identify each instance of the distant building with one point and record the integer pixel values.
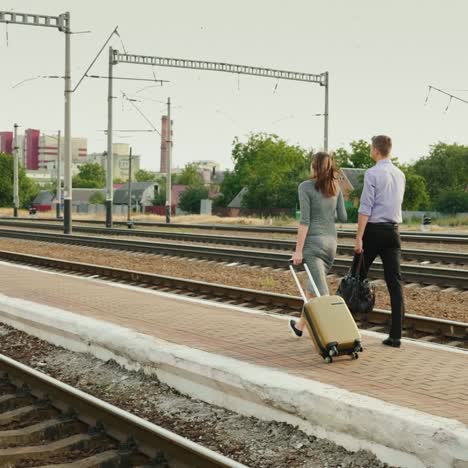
(120, 165)
(48, 151)
(208, 170)
(31, 149)
(6, 142)
(142, 194)
(349, 180)
(210, 165)
(39, 151)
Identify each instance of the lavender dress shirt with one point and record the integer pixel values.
(382, 196)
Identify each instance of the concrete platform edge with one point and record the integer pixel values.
(397, 435)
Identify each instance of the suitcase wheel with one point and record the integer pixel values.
(333, 351)
(328, 359)
(354, 355)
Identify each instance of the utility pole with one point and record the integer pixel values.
(325, 126)
(15, 174)
(169, 163)
(110, 156)
(59, 178)
(67, 182)
(129, 211)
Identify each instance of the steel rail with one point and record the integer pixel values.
(346, 233)
(150, 438)
(444, 277)
(432, 256)
(263, 300)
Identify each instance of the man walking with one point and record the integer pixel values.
(378, 233)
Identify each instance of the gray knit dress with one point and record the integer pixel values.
(319, 213)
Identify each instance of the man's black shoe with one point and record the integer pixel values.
(394, 342)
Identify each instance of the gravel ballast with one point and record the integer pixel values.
(430, 301)
(248, 440)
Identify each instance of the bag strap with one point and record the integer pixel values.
(359, 259)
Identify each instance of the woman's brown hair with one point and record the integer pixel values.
(326, 174)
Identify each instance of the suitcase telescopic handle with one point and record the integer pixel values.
(296, 279)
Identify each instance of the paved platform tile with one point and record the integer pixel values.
(417, 377)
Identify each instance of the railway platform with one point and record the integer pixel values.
(409, 406)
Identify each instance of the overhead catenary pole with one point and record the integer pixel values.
(169, 163)
(62, 23)
(59, 178)
(110, 158)
(15, 173)
(129, 201)
(325, 116)
(67, 181)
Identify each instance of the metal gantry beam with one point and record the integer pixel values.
(219, 67)
(321, 79)
(62, 23)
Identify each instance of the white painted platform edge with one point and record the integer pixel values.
(397, 435)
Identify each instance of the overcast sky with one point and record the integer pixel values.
(381, 57)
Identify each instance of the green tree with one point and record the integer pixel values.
(358, 157)
(190, 176)
(91, 175)
(453, 202)
(270, 168)
(444, 169)
(160, 197)
(97, 198)
(191, 198)
(142, 175)
(230, 187)
(118, 180)
(27, 188)
(416, 194)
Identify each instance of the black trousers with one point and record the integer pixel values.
(384, 240)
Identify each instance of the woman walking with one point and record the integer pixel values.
(321, 202)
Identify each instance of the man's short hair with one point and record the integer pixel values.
(383, 144)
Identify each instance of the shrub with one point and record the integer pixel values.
(452, 202)
(352, 214)
(191, 198)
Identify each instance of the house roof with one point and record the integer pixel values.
(237, 200)
(44, 197)
(138, 188)
(353, 175)
(82, 195)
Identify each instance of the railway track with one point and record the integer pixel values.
(448, 332)
(344, 233)
(425, 275)
(431, 256)
(45, 422)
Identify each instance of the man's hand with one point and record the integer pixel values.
(358, 245)
(297, 258)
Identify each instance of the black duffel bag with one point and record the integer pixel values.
(359, 294)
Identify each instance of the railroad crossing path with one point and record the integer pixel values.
(408, 405)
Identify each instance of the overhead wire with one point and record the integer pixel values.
(131, 101)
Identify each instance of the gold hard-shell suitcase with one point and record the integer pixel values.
(330, 323)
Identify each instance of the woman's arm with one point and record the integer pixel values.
(342, 215)
(301, 235)
(304, 204)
